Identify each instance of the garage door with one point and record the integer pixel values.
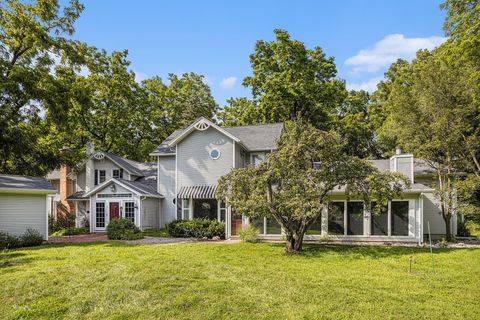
(21, 212)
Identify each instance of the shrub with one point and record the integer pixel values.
(249, 233)
(196, 228)
(9, 241)
(71, 232)
(123, 229)
(31, 238)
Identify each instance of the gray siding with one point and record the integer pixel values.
(402, 164)
(82, 215)
(239, 156)
(86, 177)
(166, 187)
(81, 180)
(21, 212)
(194, 165)
(431, 213)
(150, 210)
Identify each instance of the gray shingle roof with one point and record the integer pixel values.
(79, 195)
(144, 186)
(24, 183)
(53, 175)
(254, 137)
(163, 148)
(257, 137)
(132, 166)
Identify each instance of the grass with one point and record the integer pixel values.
(236, 281)
(162, 233)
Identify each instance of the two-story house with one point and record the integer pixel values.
(182, 183)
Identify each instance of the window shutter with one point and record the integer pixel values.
(96, 177)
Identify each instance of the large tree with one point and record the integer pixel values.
(293, 185)
(431, 113)
(33, 44)
(178, 103)
(289, 81)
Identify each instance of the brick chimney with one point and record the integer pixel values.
(66, 186)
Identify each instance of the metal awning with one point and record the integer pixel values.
(197, 192)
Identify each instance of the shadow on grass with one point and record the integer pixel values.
(360, 252)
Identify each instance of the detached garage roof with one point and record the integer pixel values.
(13, 183)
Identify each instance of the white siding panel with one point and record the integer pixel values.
(150, 210)
(166, 187)
(195, 167)
(21, 212)
(431, 213)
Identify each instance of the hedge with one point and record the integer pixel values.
(123, 229)
(196, 228)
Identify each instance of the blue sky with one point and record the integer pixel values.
(215, 38)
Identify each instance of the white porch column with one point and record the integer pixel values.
(324, 221)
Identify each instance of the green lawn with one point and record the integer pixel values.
(236, 281)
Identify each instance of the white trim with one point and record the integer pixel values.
(176, 183)
(113, 180)
(192, 127)
(27, 191)
(46, 216)
(234, 154)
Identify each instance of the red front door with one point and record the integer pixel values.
(114, 210)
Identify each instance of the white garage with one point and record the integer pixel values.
(24, 204)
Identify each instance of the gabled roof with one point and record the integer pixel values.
(131, 166)
(141, 188)
(25, 183)
(259, 137)
(200, 124)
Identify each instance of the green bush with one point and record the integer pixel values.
(71, 232)
(9, 241)
(123, 229)
(31, 238)
(249, 233)
(196, 228)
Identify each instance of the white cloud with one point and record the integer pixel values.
(228, 83)
(369, 85)
(388, 50)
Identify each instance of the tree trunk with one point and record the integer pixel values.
(448, 229)
(294, 242)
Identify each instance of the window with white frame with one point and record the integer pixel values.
(257, 158)
(336, 218)
(117, 173)
(266, 226)
(185, 208)
(399, 218)
(100, 214)
(347, 218)
(100, 176)
(222, 210)
(130, 211)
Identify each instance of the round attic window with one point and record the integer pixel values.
(215, 154)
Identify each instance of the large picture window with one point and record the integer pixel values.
(355, 218)
(273, 227)
(336, 218)
(379, 221)
(100, 214)
(258, 223)
(399, 218)
(130, 211)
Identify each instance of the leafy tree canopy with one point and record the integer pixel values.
(293, 185)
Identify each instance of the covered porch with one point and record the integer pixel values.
(199, 202)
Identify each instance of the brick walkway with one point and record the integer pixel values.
(93, 237)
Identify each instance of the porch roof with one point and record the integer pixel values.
(197, 192)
